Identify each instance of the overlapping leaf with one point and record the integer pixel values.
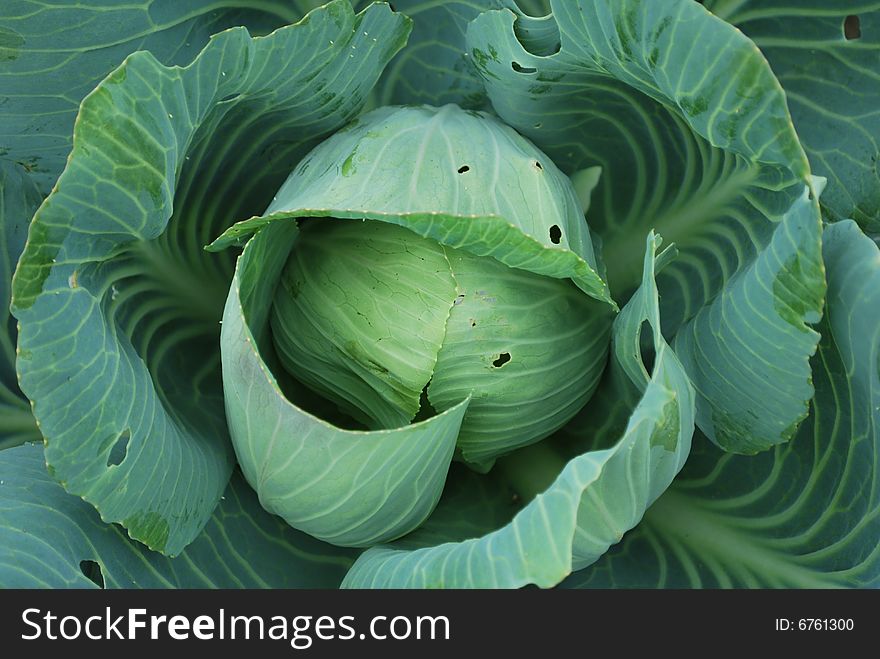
(54, 53)
(117, 302)
(807, 514)
(590, 503)
(67, 50)
(755, 332)
(827, 57)
(471, 183)
(19, 198)
(52, 539)
(692, 133)
(348, 487)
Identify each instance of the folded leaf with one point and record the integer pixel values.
(348, 487)
(595, 498)
(459, 177)
(693, 135)
(748, 351)
(117, 302)
(804, 515)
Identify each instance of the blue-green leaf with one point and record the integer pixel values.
(117, 302)
(52, 539)
(435, 68)
(805, 515)
(19, 198)
(54, 53)
(691, 129)
(827, 57)
(747, 352)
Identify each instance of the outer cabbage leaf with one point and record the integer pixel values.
(52, 539)
(69, 49)
(806, 515)
(754, 332)
(827, 57)
(596, 497)
(54, 53)
(692, 133)
(117, 302)
(436, 68)
(19, 198)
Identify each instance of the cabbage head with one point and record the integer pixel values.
(474, 294)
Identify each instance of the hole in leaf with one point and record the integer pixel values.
(463, 169)
(119, 450)
(646, 343)
(503, 358)
(852, 28)
(519, 68)
(426, 409)
(473, 323)
(92, 571)
(539, 165)
(555, 234)
(538, 35)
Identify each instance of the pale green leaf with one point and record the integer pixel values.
(359, 315)
(348, 487)
(531, 349)
(595, 498)
(459, 177)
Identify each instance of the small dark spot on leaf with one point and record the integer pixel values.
(852, 28)
(463, 169)
(537, 125)
(503, 358)
(119, 450)
(538, 165)
(555, 234)
(473, 323)
(519, 68)
(230, 97)
(92, 571)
